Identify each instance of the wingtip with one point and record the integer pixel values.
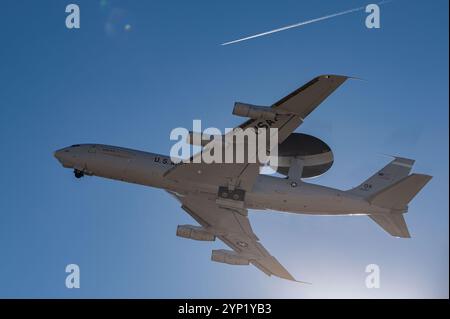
(303, 282)
(291, 278)
(357, 78)
(341, 77)
(327, 76)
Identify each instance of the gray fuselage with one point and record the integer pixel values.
(269, 192)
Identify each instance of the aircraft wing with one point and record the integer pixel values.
(294, 108)
(234, 229)
(300, 103)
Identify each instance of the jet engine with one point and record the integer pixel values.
(228, 257)
(316, 155)
(195, 233)
(253, 111)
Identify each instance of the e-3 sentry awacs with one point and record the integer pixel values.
(219, 195)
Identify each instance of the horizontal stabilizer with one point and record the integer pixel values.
(394, 224)
(398, 195)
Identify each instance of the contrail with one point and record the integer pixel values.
(300, 24)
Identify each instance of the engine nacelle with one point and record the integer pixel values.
(195, 233)
(228, 257)
(253, 111)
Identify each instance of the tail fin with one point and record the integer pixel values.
(392, 188)
(388, 175)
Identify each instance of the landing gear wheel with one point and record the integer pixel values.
(294, 184)
(78, 173)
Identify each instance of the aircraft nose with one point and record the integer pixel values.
(59, 154)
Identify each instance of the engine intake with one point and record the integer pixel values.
(253, 111)
(195, 233)
(228, 257)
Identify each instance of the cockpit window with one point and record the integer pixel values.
(75, 145)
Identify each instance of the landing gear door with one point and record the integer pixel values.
(91, 159)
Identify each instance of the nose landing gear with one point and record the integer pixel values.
(78, 173)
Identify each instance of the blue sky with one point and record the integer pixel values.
(104, 84)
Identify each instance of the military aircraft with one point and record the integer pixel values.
(219, 195)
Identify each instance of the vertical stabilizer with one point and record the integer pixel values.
(394, 171)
